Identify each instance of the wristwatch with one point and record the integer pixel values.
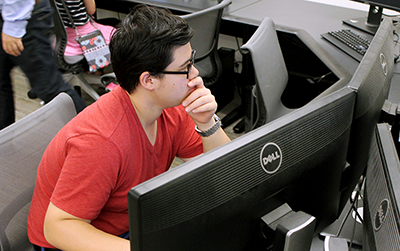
(212, 130)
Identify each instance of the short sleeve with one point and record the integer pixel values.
(88, 176)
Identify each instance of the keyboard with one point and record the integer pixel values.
(350, 42)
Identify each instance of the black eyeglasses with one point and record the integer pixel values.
(191, 62)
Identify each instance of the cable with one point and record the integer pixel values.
(357, 215)
(396, 42)
(352, 207)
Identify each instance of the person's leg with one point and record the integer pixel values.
(37, 60)
(7, 109)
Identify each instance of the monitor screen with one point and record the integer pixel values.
(216, 201)
(371, 81)
(382, 194)
(371, 22)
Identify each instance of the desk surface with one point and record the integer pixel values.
(314, 18)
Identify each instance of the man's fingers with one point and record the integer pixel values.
(13, 50)
(198, 97)
(12, 45)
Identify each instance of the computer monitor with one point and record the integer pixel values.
(382, 195)
(217, 200)
(371, 23)
(371, 81)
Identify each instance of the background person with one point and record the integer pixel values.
(80, 11)
(25, 27)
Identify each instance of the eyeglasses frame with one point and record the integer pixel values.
(189, 66)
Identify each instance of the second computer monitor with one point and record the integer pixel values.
(382, 195)
(371, 81)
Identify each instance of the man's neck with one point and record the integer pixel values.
(147, 114)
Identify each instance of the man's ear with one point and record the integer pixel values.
(147, 81)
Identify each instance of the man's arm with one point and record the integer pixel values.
(215, 140)
(68, 232)
(16, 15)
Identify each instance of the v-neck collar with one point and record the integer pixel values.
(143, 134)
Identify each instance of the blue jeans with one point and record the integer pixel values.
(38, 64)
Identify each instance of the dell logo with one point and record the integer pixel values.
(381, 213)
(271, 158)
(384, 64)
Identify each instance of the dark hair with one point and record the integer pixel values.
(145, 41)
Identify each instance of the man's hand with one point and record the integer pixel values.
(12, 45)
(200, 104)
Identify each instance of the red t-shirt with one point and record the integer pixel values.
(92, 163)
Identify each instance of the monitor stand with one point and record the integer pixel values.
(368, 24)
(349, 224)
(293, 231)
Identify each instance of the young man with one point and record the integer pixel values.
(126, 137)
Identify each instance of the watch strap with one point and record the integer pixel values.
(212, 130)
